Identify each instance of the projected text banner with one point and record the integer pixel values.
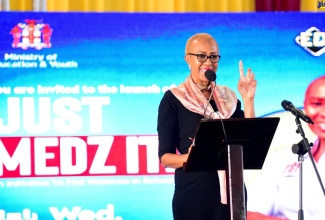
(79, 96)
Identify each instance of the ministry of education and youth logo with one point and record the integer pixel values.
(32, 34)
(312, 40)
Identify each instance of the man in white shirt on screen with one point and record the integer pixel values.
(274, 194)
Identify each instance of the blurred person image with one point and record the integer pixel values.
(275, 192)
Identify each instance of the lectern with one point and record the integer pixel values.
(232, 145)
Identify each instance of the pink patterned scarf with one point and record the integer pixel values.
(192, 98)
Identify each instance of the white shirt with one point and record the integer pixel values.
(276, 191)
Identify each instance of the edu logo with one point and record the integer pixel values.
(312, 40)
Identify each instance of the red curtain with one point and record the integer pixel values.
(277, 5)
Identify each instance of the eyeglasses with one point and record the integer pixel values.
(203, 57)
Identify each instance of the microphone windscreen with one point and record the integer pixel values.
(210, 75)
(286, 104)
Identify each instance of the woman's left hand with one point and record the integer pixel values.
(247, 84)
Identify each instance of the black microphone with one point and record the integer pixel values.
(288, 106)
(211, 76)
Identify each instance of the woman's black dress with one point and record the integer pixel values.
(197, 194)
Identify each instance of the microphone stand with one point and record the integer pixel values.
(204, 116)
(301, 148)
